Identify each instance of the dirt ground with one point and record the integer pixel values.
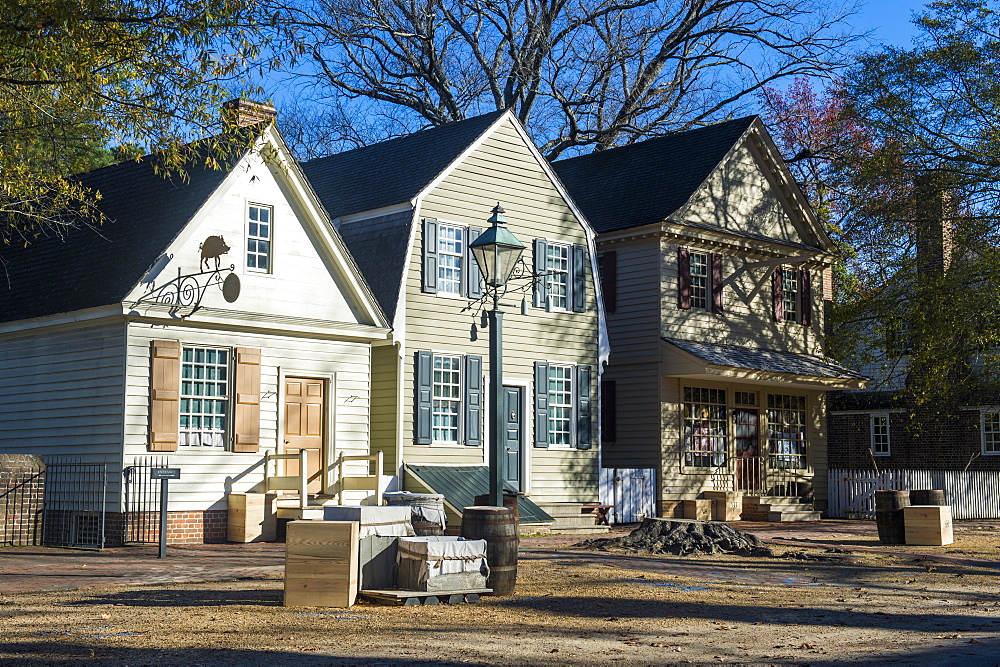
(572, 607)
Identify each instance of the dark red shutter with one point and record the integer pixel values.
(778, 294)
(609, 280)
(807, 297)
(683, 278)
(609, 411)
(717, 306)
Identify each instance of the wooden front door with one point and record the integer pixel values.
(305, 411)
(513, 436)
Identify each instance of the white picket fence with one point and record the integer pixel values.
(972, 495)
(631, 490)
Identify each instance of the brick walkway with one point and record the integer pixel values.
(24, 569)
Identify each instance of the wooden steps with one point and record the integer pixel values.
(400, 598)
(778, 509)
(570, 519)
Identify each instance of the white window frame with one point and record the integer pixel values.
(188, 432)
(700, 282)
(567, 275)
(874, 434)
(461, 258)
(791, 297)
(572, 379)
(989, 437)
(718, 457)
(775, 436)
(255, 239)
(459, 401)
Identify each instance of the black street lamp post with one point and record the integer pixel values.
(497, 252)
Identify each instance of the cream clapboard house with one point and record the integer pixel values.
(712, 270)
(208, 322)
(408, 208)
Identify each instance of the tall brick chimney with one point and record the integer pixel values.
(934, 223)
(240, 112)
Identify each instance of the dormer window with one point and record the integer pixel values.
(259, 219)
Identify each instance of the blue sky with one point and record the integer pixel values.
(891, 20)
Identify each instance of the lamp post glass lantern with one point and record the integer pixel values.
(496, 251)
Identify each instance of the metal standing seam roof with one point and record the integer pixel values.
(461, 484)
(646, 182)
(760, 359)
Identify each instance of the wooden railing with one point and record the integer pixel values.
(298, 482)
(274, 481)
(377, 482)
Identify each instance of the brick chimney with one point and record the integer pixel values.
(828, 284)
(934, 223)
(240, 112)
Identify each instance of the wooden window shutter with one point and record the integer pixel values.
(472, 275)
(246, 413)
(805, 290)
(583, 412)
(425, 396)
(430, 279)
(609, 411)
(164, 395)
(541, 286)
(579, 286)
(717, 305)
(609, 279)
(683, 278)
(473, 400)
(541, 404)
(778, 294)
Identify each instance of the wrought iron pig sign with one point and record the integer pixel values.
(213, 247)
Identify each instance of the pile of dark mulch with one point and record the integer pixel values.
(680, 537)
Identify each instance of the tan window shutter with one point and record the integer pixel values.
(164, 395)
(247, 410)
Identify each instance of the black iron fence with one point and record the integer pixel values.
(75, 504)
(142, 500)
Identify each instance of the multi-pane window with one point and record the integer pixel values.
(880, 435)
(747, 398)
(560, 405)
(204, 397)
(699, 280)
(790, 286)
(259, 237)
(451, 255)
(704, 427)
(991, 432)
(447, 397)
(557, 265)
(786, 431)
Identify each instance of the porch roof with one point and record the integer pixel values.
(736, 362)
(461, 484)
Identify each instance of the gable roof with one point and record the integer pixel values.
(391, 172)
(380, 247)
(86, 266)
(647, 182)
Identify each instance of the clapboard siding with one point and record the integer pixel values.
(502, 169)
(385, 362)
(62, 392)
(638, 416)
(346, 366)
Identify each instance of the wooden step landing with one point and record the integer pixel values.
(400, 598)
(794, 515)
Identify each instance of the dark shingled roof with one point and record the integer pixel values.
(91, 266)
(765, 360)
(390, 172)
(646, 182)
(379, 246)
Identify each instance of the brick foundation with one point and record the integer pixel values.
(207, 527)
(22, 488)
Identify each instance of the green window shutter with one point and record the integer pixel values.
(430, 279)
(541, 404)
(473, 400)
(541, 293)
(425, 397)
(583, 421)
(579, 282)
(472, 275)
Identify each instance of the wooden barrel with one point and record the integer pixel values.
(889, 516)
(498, 526)
(422, 528)
(509, 500)
(927, 497)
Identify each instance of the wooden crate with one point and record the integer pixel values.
(928, 525)
(252, 517)
(728, 505)
(699, 510)
(321, 564)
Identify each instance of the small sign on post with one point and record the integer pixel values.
(164, 475)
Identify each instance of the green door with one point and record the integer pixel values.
(513, 435)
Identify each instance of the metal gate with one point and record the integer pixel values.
(75, 509)
(631, 490)
(142, 500)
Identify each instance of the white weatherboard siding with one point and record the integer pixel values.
(503, 169)
(207, 476)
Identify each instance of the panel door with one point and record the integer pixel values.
(305, 414)
(513, 436)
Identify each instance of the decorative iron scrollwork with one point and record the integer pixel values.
(184, 294)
